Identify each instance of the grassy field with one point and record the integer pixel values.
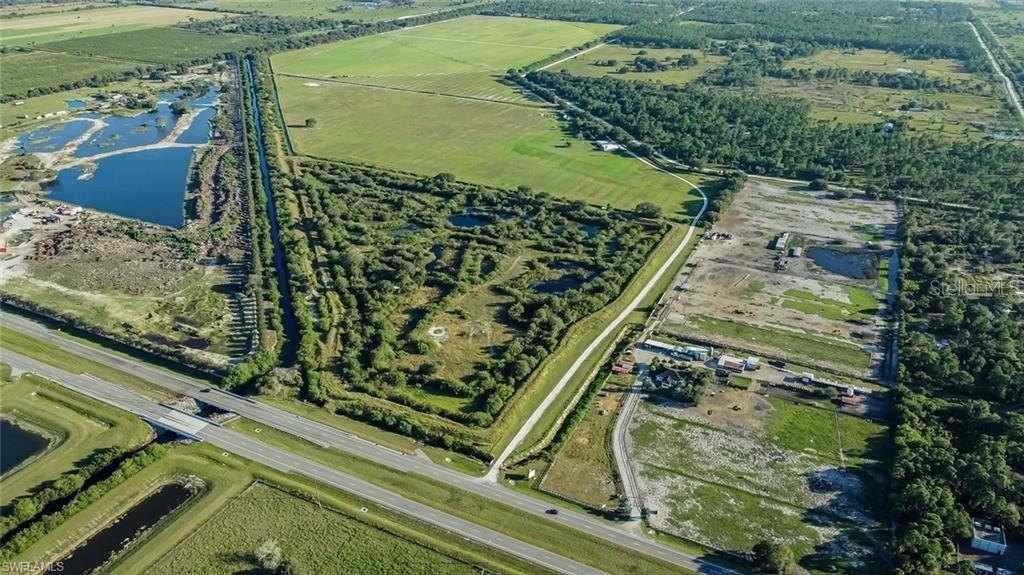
(42, 28)
(770, 470)
(426, 101)
(22, 71)
(317, 539)
(949, 114)
(464, 57)
(586, 64)
(328, 8)
(524, 526)
(882, 62)
(584, 467)
(486, 44)
(498, 144)
(861, 304)
(806, 429)
(165, 46)
(79, 426)
(799, 346)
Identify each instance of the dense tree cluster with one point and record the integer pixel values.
(623, 12)
(960, 401)
(261, 25)
(934, 30)
(777, 136)
(388, 236)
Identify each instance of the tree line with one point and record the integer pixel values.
(777, 136)
(960, 397)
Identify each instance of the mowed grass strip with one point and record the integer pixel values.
(43, 28)
(342, 544)
(795, 345)
(491, 143)
(23, 71)
(165, 46)
(79, 426)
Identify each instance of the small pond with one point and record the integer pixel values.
(76, 104)
(115, 537)
(467, 221)
(147, 185)
(574, 277)
(17, 445)
(53, 137)
(849, 263)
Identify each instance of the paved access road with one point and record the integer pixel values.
(246, 446)
(327, 436)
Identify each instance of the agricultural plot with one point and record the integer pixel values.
(619, 62)
(464, 57)
(366, 11)
(769, 469)
(428, 101)
(162, 46)
(496, 144)
(43, 28)
(812, 295)
(21, 72)
(442, 297)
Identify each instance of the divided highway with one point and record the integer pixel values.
(328, 436)
(286, 462)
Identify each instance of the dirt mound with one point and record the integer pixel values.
(111, 254)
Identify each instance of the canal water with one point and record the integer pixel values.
(291, 328)
(117, 536)
(17, 445)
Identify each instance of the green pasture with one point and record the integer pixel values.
(586, 64)
(491, 143)
(51, 27)
(163, 46)
(22, 71)
(882, 62)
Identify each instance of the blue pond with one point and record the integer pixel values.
(199, 131)
(54, 137)
(147, 185)
(76, 104)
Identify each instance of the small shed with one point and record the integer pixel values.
(988, 537)
(730, 363)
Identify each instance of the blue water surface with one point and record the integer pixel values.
(147, 185)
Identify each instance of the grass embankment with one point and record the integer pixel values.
(78, 426)
(49, 353)
(519, 524)
(579, 337)
(795, 345)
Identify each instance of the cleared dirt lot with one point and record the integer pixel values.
(817, 299)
